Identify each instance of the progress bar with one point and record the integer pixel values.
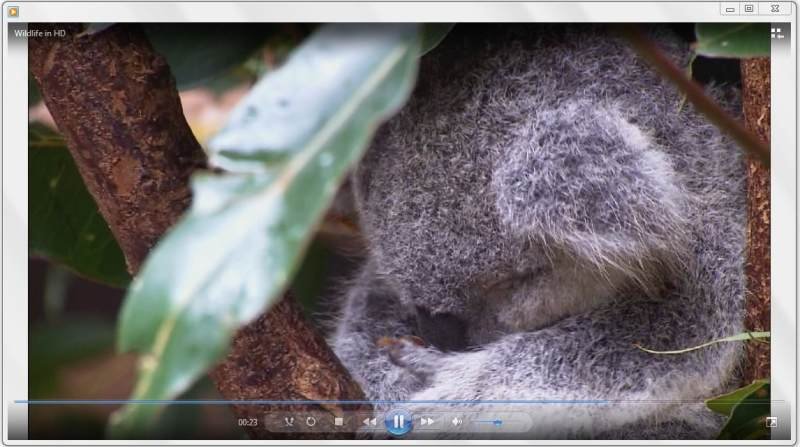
(294, 402)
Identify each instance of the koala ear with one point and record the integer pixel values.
(585, 180)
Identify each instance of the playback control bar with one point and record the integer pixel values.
(400, 422)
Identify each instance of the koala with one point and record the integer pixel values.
(544, 203)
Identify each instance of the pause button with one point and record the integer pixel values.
(398, 422)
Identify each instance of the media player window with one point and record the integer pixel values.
(371, 223)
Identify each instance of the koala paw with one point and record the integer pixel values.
(411, 354)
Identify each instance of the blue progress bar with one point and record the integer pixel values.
(292, 402)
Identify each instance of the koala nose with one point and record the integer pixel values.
(444, 331)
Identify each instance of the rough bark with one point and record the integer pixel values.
(114, 100)
(756, 104)
(263, 357)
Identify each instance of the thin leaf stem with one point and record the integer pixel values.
(744, 336)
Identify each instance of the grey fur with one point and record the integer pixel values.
(546, 188)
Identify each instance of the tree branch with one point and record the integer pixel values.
(756, 105)
(114, 100)
(280, 351)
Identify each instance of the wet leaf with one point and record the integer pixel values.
(286, 148)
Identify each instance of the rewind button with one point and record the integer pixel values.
(370, 422)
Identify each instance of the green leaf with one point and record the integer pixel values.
(64, 223)
(287, 146)
(432, 35)
(200, 52)
(724, 404)
(287, 110)
(733, 40)
(747, 409)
